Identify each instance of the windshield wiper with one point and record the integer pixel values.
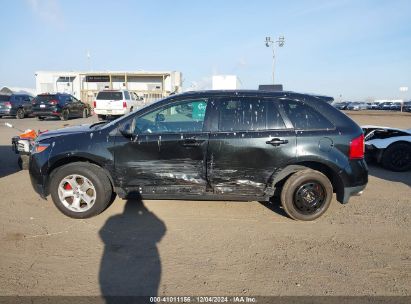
(98, 123)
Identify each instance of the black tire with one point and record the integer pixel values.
(65, 115)
(85, 113)
(397, 157)
(306, 195)
(20, 113)
(98, 179)
(40, 118)
(101, 117)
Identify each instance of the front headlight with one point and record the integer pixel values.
(39, 147)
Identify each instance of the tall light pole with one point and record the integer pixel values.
(269, 42)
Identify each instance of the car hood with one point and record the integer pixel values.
(64, 131)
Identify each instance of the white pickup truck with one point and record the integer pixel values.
(114, 103)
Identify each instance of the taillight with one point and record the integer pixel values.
(53, 102)
(357, 147)
(7, 104)
(124, 104)
(94, 104)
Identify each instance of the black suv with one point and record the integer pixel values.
(60, 105)
(211, 145)
(18, 105)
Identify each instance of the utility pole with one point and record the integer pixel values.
(269, 42)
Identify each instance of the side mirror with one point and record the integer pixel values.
(125, 130)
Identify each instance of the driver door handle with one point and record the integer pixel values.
(276, 142)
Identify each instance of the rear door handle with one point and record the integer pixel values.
(189, 142)
(276, 142)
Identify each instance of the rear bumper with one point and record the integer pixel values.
(46, 113)
(355, 179)
(7, 111)
(110, 112)
(352, 191)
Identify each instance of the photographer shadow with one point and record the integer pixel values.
(131, 264)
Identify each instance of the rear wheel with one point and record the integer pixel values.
(306, 195)
(20, 113)
(40, 118)
(85, 113)
(101, 117)
(80, 190)
(397, 157)
(65, 115)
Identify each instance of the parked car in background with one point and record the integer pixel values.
(357, 106)
(208, 145)
(385, 105)
(406, 106)
(372, 106)
(62, 105)
(395, 106)
(18, 105)
(341, 105)
(114, 103)
(390, 147)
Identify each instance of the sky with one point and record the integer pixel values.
(348, 49)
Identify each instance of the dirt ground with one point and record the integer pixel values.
(204, 248)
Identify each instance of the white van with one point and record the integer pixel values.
(114, 103)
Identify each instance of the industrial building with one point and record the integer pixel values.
(84, 85)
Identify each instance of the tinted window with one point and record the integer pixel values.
(45, 98)
(304, 117)
(186, 116)
(126, 95)
(4, 97)
(110, 95)
(242, 114)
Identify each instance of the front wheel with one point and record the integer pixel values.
(40, 118)
(306, 195)
(80, 190)
(85, 113)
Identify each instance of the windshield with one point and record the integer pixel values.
(110, 95)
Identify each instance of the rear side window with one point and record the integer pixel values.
(242, 114)
(110, 95)
(4, 97)
(126, 95)
(305, 117)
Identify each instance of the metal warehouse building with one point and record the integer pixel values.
(85, 85)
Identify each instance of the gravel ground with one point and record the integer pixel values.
(205, 248)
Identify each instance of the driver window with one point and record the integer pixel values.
(187, 116)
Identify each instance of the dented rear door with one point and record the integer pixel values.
(251, 143)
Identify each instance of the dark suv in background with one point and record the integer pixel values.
(210, 145)
(18, 105)
(60, 105)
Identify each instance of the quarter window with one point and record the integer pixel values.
(305, 117)
(184, 117)
(126, 95)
